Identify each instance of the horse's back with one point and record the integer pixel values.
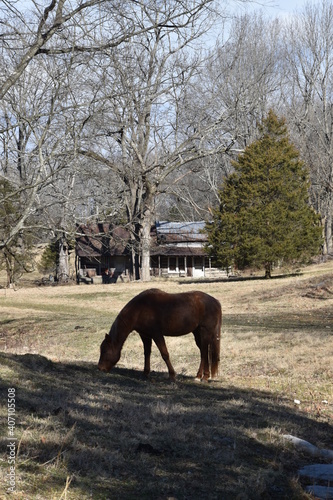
(157, 298)
(173, 313)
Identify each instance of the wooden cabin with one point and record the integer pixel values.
(177, 250)
(103, 252)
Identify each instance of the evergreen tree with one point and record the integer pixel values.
(48, 261)
(264, 214)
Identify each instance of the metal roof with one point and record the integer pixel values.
(181, 231)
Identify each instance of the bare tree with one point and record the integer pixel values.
(308, 97)
(138, 129)
(33, 147)
(61, 32)
(238, 84)
(62, 17)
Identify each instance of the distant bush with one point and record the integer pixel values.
(48, 261)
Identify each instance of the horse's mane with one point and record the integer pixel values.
(116, 330)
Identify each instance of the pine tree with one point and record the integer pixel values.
(264, 214)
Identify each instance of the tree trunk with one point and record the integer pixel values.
(145, 249)
(63, 260)
(328, 229)
(135, 252)
(268, 270)
(9, 269)
(135, 264)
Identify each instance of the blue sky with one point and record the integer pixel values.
(277, 7)
(286, 6)
(271, 7)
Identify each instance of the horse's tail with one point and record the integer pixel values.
(214, 349)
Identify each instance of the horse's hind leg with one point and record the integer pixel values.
(203, 372)
(201, 366)
(147, 351)
(160, 342)
(215, 347)
(205, 360)
(215, 357)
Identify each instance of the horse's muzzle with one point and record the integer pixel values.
(103, 368)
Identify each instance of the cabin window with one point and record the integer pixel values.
(198, 262)
(181, 263)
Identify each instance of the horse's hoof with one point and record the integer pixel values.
(197, 379)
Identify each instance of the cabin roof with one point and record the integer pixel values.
(173, 232)
(98, 239)
(167, 238)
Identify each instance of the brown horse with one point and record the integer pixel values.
(154, 314)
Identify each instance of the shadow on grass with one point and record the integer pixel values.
(120, 436)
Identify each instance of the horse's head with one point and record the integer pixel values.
(109, 355)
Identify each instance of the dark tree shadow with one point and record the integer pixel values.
(121, 436)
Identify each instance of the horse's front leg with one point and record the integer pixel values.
(147, 351)
(160, 342)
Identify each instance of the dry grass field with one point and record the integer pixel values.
(83, 434)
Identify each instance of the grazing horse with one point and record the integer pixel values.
(155, 314)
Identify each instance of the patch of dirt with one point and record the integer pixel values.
(320, 289)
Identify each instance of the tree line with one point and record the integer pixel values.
(134, 111)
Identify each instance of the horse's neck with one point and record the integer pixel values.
(119, 332)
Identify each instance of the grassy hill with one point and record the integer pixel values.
(80, 433)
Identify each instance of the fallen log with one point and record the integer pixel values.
(309, 448)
